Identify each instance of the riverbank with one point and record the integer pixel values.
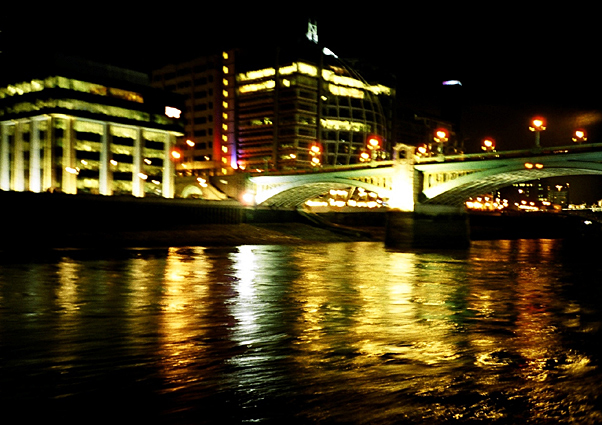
(192, 235)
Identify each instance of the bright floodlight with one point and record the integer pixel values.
(452, 83)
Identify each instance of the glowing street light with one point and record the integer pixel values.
(365, 156)
(441, 137)
(488, 145)
(373, 143)
(422, 150)
(579, 136)
(538, 125)
(315, 152)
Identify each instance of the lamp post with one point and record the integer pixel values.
(441, 137)
(538, 125)
(488, 145)
(579, 136)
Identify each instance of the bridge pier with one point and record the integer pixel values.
(428, 226)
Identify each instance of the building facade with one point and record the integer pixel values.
(274, 108)
(305, 115)
(207, 85)
(79, 127)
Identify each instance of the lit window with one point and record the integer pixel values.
(225, 55)
(225, 104)
(225, 82)
(225, 93)
(225, 138)
(225, 69)
(172, 112)
(225, 127)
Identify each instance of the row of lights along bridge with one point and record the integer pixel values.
(436, 147)
(441, 137)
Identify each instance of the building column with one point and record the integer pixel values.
(48, 172)
(18, 180)
(168, 167)
(137, 174)
(4, 156)
(69, 169)
(35, 182)
(105, 184)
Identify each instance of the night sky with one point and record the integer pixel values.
(513, 62)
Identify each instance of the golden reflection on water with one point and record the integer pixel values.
(349, 318)
(181, 326)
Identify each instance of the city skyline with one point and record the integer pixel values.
(512, 64)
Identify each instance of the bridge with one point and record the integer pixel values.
(445, 180)
(432, 186)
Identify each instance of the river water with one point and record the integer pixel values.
(506, 332)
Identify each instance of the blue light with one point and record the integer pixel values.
(452, 83)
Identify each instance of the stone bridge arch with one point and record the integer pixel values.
(485, 178)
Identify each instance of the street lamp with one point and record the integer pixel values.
(441, 137)
(488, 145)
(579, 136)
(315, 153)
(538, 125)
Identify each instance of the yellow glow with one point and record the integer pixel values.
(311, 203)
(176, 154)
(345, 91)
(265, 85)
(190, 143)
(248, 198)
(225, 69)
(225, 149)
(225, 55)
(329, 124)
(315, 149)
(254, 75)
(528, 165)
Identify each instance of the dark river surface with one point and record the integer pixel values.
(506, 332)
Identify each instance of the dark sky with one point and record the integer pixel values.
(514, 61)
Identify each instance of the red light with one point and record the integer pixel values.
(374, 142)
(441, 135)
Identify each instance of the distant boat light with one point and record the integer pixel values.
(452, 83)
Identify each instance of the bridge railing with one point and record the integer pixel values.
(326, 169)
(586, 147)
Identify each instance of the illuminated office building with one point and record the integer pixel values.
(75, 126)
(265, 108)
(207, 85)
(286, 110)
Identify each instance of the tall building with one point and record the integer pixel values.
(291, 107)
(207, 85)
(76, 126)
(303, 113)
